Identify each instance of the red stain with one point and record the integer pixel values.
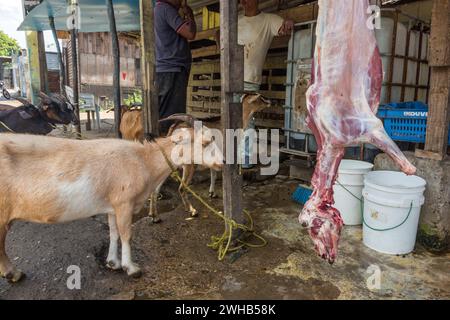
(124, 75)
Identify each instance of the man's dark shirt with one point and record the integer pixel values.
(172, 50)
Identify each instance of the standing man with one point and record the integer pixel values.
(173, 56)
(256, 31)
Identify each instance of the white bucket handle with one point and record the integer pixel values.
(361, 200)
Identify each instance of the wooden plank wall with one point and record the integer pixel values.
(96, 60)
(204, 90)
(439, 109)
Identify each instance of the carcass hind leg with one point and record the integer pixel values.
(379, 138)
(7, 270)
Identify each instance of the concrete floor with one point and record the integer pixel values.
(177, 263)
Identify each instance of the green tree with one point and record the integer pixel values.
(8, 45)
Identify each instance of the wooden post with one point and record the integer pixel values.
(405, 63)
(392, 58)
(232, 81)
(116, 72)
(419, 63)
(38, 64)
(150, 105)
(62, 69)
(439, 102)
(76, 93)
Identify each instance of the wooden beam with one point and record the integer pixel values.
(148, 69)
(232, 68)
(440, 36)
(38, 65)
(116, 72)
(439, 100)
(62, 68)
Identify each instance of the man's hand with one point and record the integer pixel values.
(286, 28)
(189, 28)
(188, 13)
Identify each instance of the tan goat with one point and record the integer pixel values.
(52, 180)
(131, 129)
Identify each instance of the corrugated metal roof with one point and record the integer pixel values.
(94, 17)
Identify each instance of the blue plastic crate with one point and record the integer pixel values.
(405, 121)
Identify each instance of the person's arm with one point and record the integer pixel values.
(286, 28)
(279, 26)
(188, 29)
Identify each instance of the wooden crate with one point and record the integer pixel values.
(204, 90)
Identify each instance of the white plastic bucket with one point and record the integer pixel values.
(392, 202)
(348, 190)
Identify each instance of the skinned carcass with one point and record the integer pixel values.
(342, 102)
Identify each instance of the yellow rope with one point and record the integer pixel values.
(220, 243)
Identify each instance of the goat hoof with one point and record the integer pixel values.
(113, 265)
(155, 220)
(135, 274)
(193, 213)
(14, 276)
(213, 195)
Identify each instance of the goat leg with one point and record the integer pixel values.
(124, 216)
(188, 173)
(7, 270)
(153, 210)
(113, 261)
(212, 186)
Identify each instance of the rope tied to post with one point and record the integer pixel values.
(222, 244)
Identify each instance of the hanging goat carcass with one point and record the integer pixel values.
(342, 102)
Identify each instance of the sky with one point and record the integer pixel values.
(11, 15)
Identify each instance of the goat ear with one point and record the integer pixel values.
(254, 98)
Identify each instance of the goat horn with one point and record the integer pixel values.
(42, 95)
(23, 101)
(180, 117)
